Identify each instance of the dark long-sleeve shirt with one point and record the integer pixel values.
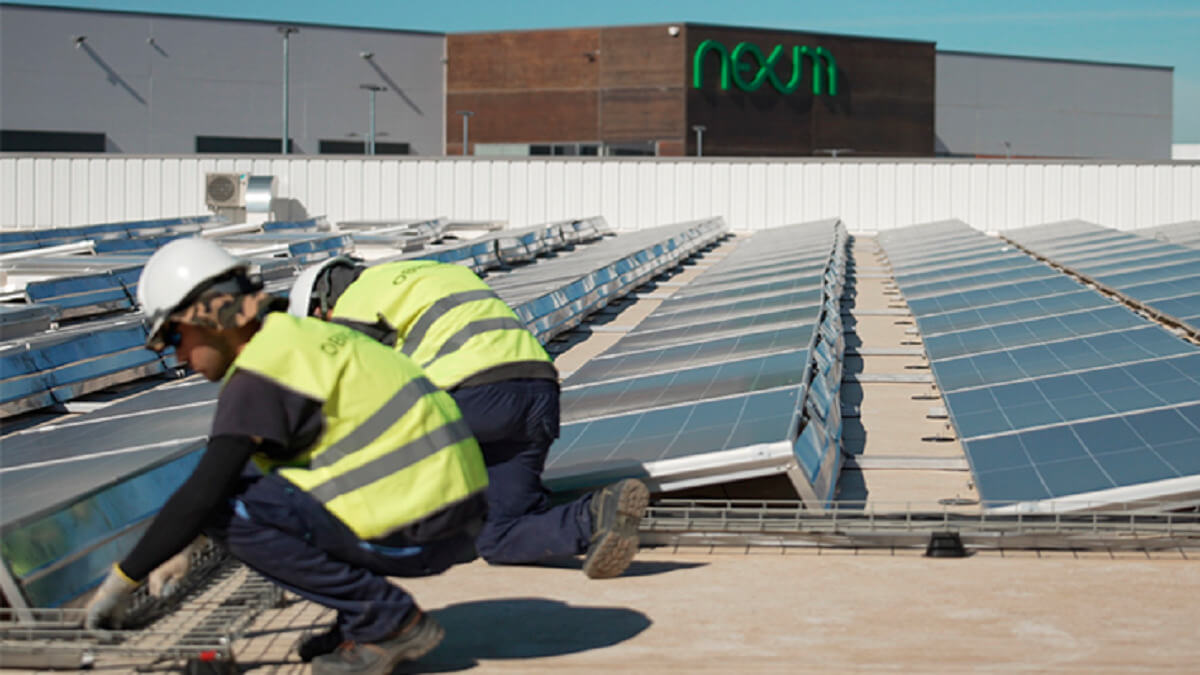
(254, 414)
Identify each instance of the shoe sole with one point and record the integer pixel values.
(616, 549)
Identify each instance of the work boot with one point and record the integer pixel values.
(313, 645)
(616, 512)
(417, 638)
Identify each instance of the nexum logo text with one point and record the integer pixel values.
(736, 65)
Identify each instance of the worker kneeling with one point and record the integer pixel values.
(470, 343)
(364, 468)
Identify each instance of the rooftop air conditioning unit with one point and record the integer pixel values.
(225, 190)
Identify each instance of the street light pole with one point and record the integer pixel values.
(466, 115)
(699, 129)
(287, 32)
(371, 90)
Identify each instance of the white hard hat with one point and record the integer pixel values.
(301, 295)
(175, 272)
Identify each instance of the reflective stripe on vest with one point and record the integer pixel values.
(414, 336)
(397, 460)
(378, 423)
(394, 449)
(472, 329)
(446, 318)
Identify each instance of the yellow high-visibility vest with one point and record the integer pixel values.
(394, 449)
(447, 319)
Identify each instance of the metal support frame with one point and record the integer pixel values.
(779, 523)
(202, 632)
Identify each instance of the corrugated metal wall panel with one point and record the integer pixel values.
(9, 193)
(61, 190)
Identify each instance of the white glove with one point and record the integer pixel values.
(110, 602)
(166, 577)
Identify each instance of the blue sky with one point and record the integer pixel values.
(1159, 33)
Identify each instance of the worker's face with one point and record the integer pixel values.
(205, 350)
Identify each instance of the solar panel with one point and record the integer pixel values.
(1089, 458)
(585, 399)
(683, 402)
(1077, 395)
(23, 240)
(77, 495)
(1006, 312)
(1031, 331)
(1008, 365)
(1060, 395)
(762, 343)
(51, 368)
(1122, 261)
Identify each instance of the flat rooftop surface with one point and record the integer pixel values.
(801, 609)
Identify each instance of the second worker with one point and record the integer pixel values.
(471, 343)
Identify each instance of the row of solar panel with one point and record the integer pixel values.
(56, 367)
(1161, 275)
(21, 240)
(76, 495)
(1056, 390)
(716, 382)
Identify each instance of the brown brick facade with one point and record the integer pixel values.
(635, 85)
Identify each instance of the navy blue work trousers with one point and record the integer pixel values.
(287, 536)
(515, 421)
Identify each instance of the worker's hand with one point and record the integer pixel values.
(109, 604)
(166, 577)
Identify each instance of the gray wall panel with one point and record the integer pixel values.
(1049, 108)
(213, 77)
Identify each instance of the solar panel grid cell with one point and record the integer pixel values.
(718, 384)
(1077, 395)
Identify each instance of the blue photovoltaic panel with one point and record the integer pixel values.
(629, 440)
(762, 343)
(1009, 276)
(1032, 331)
(751, 291)
(977, 298)
(55, 236)
(667, 385)
(1123, 262)
(989, 264)
(1087, 457)
(1095, 351)
(67, 486)
(582, 400)
(1075, 396)
(987, 315)
(800, 300)
(702, 332)
(56, 367)
(1057, 391)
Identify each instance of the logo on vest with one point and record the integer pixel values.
(334, 343)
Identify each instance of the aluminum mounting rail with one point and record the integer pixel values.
(789, 524)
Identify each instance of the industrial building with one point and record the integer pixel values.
(175, 84)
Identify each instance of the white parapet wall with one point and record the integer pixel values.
(51, 190)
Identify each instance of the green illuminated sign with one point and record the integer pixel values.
(733, 67)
